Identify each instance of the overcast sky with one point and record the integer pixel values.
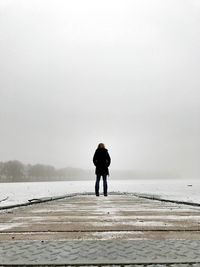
(74, 73)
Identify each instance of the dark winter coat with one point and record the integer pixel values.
(102, 161)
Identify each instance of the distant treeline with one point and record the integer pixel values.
(15, 171)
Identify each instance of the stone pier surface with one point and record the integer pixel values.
(85, 230)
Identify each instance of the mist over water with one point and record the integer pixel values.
(125, 73)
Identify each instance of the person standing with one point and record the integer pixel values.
(101, 160)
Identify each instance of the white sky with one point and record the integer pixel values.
(74, 73)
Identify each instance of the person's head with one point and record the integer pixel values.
(101, 145)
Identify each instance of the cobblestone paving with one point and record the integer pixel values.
(100, 252)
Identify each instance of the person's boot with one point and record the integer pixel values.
(97, 194)
(105, 194)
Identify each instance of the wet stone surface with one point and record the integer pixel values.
(87, 217)
(118, 229)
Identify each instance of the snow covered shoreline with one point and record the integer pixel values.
(18, 193)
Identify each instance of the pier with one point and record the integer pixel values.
(85, 230)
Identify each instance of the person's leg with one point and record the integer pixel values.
(97, 185)
(105, 185)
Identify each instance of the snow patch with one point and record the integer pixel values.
(17, 193)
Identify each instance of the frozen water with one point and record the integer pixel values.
(184, 190)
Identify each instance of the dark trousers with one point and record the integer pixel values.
(105, 185)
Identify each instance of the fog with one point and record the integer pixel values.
(75, 73)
